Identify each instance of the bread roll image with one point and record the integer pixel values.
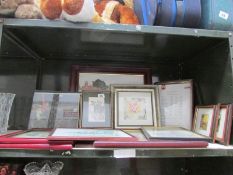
(28, 11)
(72, 7)
(78, 10)
(51, 9)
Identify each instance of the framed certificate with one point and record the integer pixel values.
(96, 109)
(90, 134)
(176, 103)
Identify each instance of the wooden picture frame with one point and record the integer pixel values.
(204, 120)
(223, 125)
(66, 134)
(100, 78)
(135, 106)
(96, 109)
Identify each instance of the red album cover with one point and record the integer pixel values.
(36, 146)
(151, 144)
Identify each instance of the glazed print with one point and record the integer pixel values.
(221, 122)
(96, 109)
(135, 108)
(204, 122)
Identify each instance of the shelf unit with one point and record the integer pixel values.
(38, 54)
(119, 153)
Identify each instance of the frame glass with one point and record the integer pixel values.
(90, 135)
(100, 78)
(173, 133)
(134, 106)
(204, 119)
(53, 109)
(29, 134)
(96, 109)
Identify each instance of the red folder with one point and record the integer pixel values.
(151, 144)
(36, 147)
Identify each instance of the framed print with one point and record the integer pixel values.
(90, 135)
(204, 119)
(176, 103)
(53, 109)
(100, 78)
(32, 136)
(229, 129)
(223, 124)
(134, 106)
(96, 109)
(173, 133)
(29, 134)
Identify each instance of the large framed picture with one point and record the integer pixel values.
(134, 106)
(176, 103)
(100, 78)
(54, 109)
(204, 120)
(96, 109)
(223, 124)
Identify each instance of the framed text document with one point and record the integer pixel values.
(176, 103)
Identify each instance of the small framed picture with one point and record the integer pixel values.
(223, 124)
(100, 78)
(96, 109)
(90, 135)
(134, 106)
(54, 109)
(204, 119)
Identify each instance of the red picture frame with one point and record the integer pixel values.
(204, 120)
(225, 127)
(77, 69)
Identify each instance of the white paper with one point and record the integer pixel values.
(125, 153)
(86, 14)
(96, 109)
(176, 104)
(223, 15)
(135, 108)
(65, 132)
